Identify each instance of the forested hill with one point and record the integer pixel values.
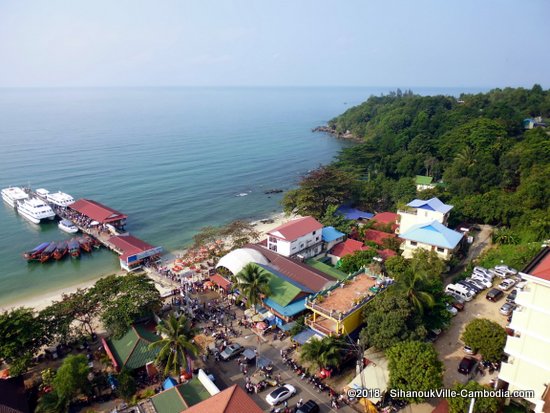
(491, 168)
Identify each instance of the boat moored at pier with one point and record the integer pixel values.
(35, 252)
(48, 252)
(60, 251)
(74, 248)
(35, 210)
(13, 194)
(67, 226)
(60, 199)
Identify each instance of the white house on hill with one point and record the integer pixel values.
(420, 211)
(302, 236)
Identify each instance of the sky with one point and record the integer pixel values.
(405, 43)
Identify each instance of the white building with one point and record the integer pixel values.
(422, 212)
(431, 236)
(528, 349)
(302, 236)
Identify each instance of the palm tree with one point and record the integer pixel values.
(466, 156)
(412, 284)
(253, 283)
(176, 344)
(323, 353)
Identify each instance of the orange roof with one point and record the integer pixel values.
(96, 211)
(231, 400)
(540, 265)
(377, 236)
(385, 217)
(385, 254)
(296, 228)
(129, 245)
(349, 246)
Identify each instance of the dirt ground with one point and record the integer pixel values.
(449, 345)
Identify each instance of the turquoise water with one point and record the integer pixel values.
(173, 159)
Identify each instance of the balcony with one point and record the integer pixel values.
(322, 325)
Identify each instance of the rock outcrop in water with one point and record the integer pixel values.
(331, 131)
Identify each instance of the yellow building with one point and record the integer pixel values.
(528, 349)
(338, 309)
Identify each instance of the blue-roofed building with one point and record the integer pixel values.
(431, 236)
(420, 211)
(331, 236)
(353, 213)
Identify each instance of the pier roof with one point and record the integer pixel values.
(96, 211)
(129, 245)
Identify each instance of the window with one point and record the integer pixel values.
(314, 232)
(414, 243)
(302, 245)
(317, 238)
(439, 249)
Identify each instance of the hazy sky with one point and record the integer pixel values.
(260, 42)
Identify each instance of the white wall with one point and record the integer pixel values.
(287, 248)
(409, 248)
(422, 216)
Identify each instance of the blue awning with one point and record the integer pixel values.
(169, 383)
(288, 311)
(303, 336)
(287, 326)
(331, 234)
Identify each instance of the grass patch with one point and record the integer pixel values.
(515, 256)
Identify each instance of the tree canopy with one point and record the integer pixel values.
(414, 366)
(482, 404)
(485, 336)
(359, 259)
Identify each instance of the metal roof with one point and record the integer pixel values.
(433, 204)
(433, 233)
(96, 211)
(331, 234)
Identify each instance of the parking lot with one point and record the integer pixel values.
(228, 373)
(449, 344)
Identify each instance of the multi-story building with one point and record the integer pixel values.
(527, 348)
(302, 236)
(420, 211)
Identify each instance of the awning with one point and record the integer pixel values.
(303, 336)
(287, 326)
(221, 282)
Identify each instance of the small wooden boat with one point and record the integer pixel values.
(74, 248)
(35, 252)
(85, 244)
(96, 244)
(47, 253)
(60, 251)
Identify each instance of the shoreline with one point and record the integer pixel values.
(41, 301)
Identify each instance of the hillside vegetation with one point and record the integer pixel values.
(491, 169)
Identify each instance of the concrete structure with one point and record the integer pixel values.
(299, 237)
(338, 309)
(431, 236)
(424, 182)
(420, 211)
(528, 364)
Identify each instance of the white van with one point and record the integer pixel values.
(460, 291)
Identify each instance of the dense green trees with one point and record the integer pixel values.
(482, 404)
(414, 366)
(324, 353)
(485, 336)
(359, 259)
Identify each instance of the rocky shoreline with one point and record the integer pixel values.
(332, 132)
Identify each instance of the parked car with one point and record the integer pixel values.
(512, 296)
(468, 350)
(486, 282)
(482, 276)
(521, 285)
(451, 309)
(458, 304)
(309, 407)
(482, 271)
(472, 287)
(507, 308)
(280, 394)
(467, 365)
(500, 273)
(479, 283)
(231, 351)
(507, 284)
(506, 269)
(494, 295)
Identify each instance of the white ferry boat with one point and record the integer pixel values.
(35, 210)
(60, 199)
(67, 226)
(13, 194)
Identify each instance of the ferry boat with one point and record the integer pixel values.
(60, 199)
(13, 194)
(74, 248)
(67, 226)
(35, 252)
(35, 210)
(60, 251)
(47, 253)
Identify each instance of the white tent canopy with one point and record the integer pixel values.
(375, 375)
(237, 259)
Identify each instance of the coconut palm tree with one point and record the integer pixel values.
(412, 284)
(176, 344)
(253, 283)
(466, 156)
(323, 353)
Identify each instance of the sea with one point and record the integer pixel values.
(174, 159)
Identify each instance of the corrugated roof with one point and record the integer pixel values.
(347, 247)
(287, 310)
(331, 234)
(181, 397)
(129, 245)
(296, 228)
(132, 349)
(377, 236)
(433, 233)
(231, 400)
(281, 291)
(303, 274)
(423, 180)
(385, 218)
(539, 266)
(96, 211)
(433, 204)
(353, 213)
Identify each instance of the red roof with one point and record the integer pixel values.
(296, 228)
(231, 400)
(96, 211)
(220, 281)
(129, 245)
(377, 236)
(386, 218)
(385, 254)
(303, 274)
(349, 246)
(540, 265)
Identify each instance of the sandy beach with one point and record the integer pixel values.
(39, 302)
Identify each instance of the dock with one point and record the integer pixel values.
(107, 226)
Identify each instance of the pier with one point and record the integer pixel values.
(106, 225)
